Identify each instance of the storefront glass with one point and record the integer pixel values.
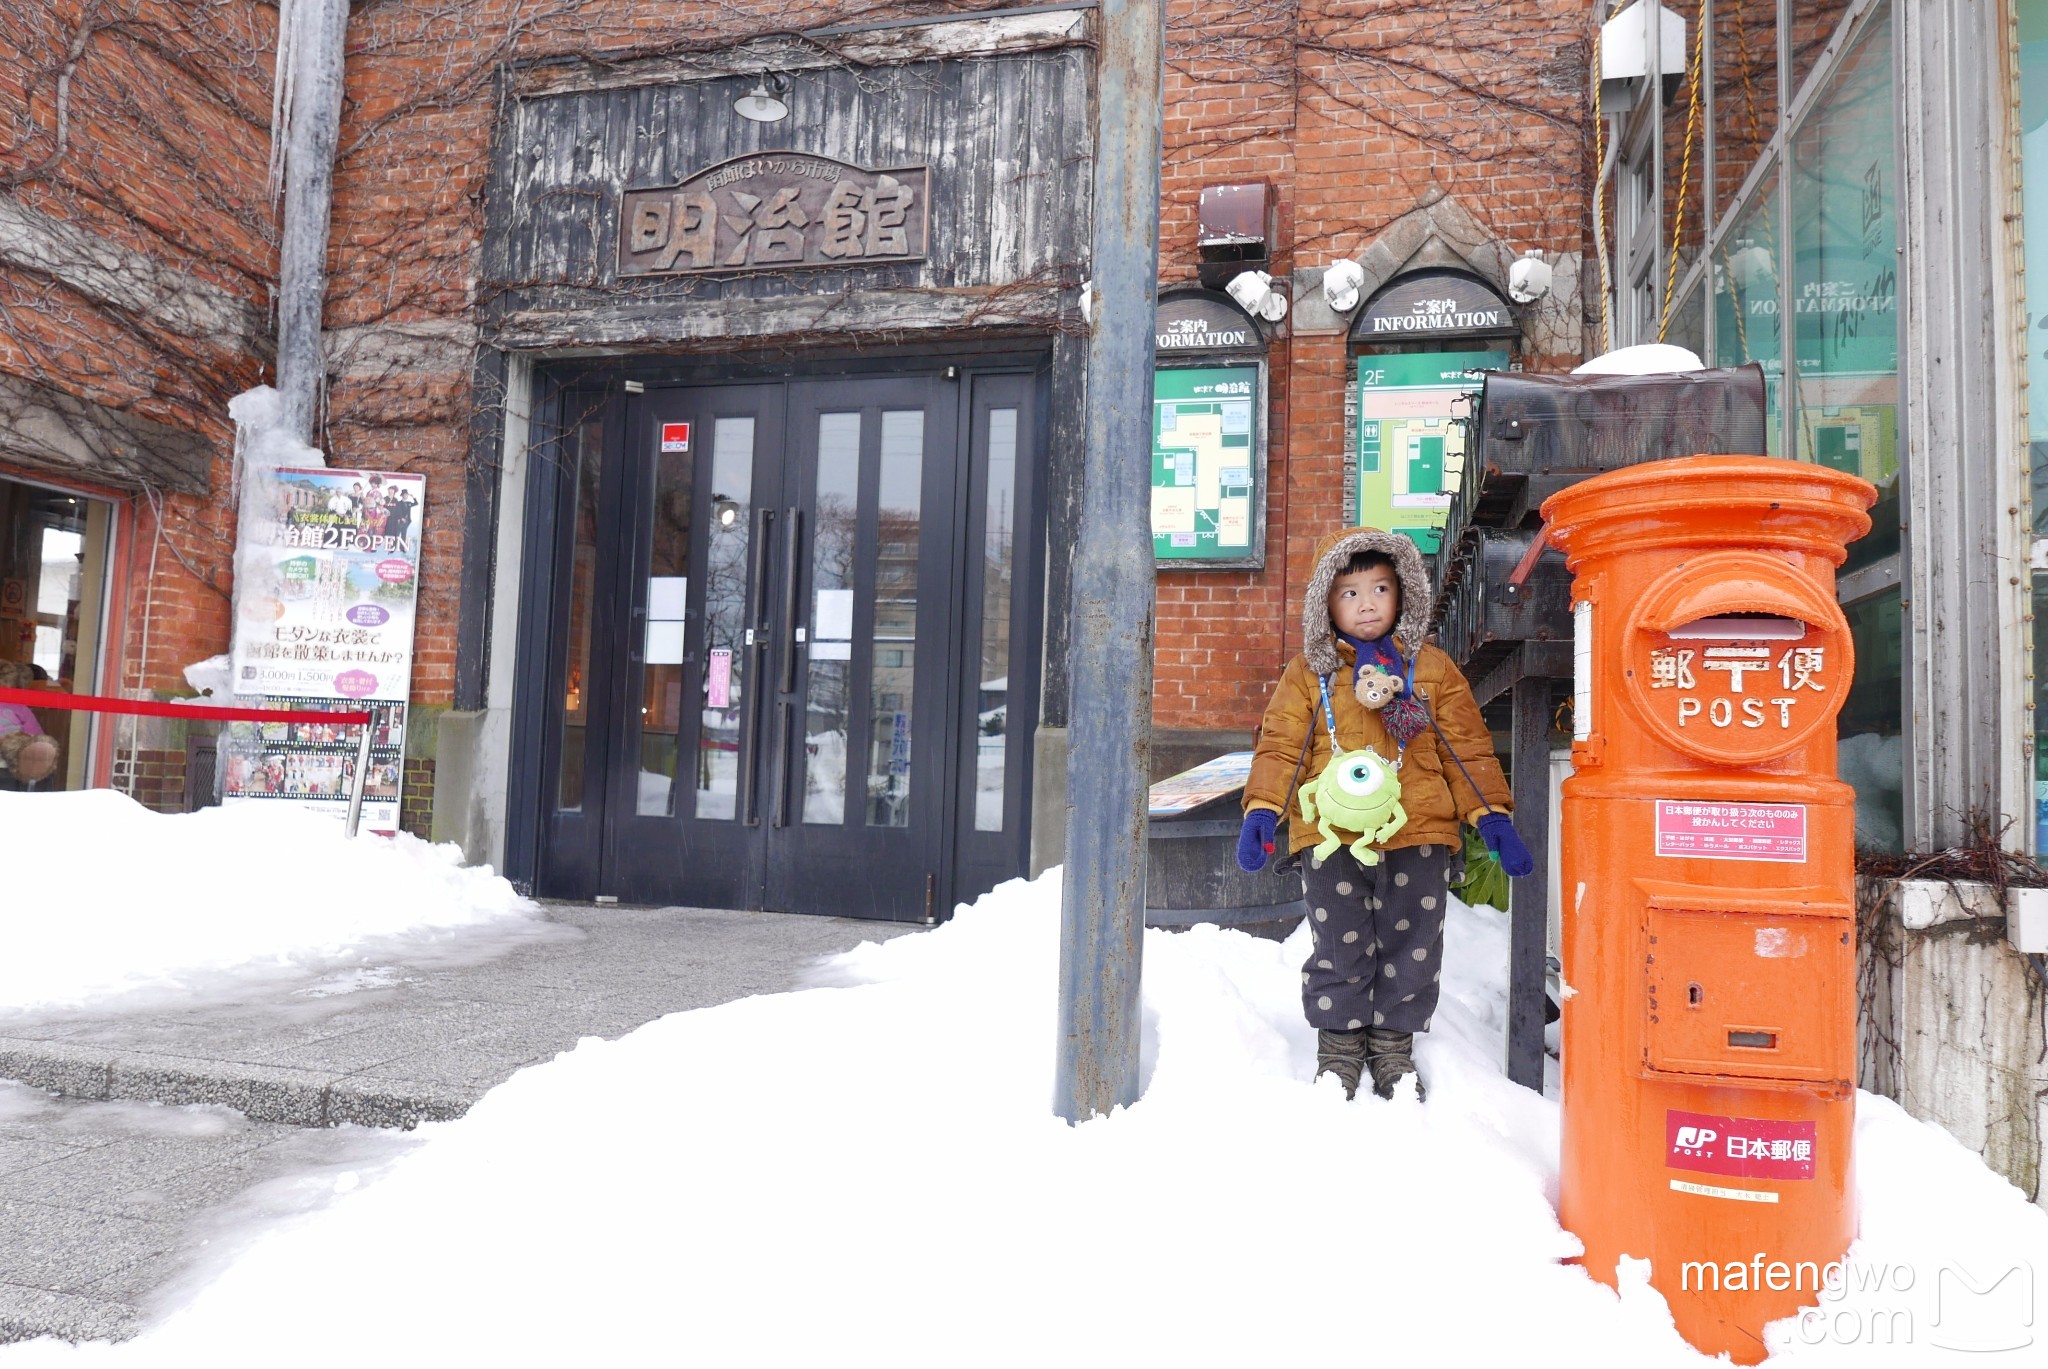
(53, 557)
(1683, 225)
(1746, 297)
(1745, 82)
(2033, 59)
(1845, 282)
(1871, 758)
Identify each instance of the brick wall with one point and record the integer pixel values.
(416, 798)
(1354, 111)
(164, 112)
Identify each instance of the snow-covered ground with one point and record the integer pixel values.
(868, 1172)
(106, 904)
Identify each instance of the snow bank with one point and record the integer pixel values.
(116, 902)
(1644, 359)
(869, 1172)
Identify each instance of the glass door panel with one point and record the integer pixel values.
(729, 559)
(835, 520)
(877, 627)
(586, 457)
(892, 660)
(998, 550)
(697, 534)
(998, 669)
(666, 530)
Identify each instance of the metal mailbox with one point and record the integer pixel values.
(1708, 875)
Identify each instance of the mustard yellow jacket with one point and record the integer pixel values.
(1436, 796)
(1434, 793)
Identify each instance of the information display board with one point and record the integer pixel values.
(1411, 437)
(330, 625)
(1208, 465)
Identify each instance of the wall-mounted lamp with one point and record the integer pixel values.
(1254, 293)
(1528, 278)
(1343, 281)
(764, 103)
(725, 512)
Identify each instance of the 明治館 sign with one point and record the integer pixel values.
(326, 626)
(775, 210)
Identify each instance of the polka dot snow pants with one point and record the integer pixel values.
(1379, 938)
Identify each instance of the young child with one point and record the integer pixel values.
(1372, 980)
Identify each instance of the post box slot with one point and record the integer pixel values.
(1747, 994)
(1740, 627)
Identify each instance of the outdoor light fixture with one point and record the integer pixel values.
(1255, 294)
(1343, 281)
(724, 511)
(764, 103)
(1529, 278)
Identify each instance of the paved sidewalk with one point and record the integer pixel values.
(102, 1203)
(392, 1045)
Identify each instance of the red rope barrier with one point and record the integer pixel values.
(150, 708)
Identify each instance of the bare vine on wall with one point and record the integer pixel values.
(138, 238)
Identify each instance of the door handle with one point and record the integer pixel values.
(756, 662)
(786, 729)
(792, 598)
(636, 635)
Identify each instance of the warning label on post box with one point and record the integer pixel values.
(1732, 831)
(1746, 1147)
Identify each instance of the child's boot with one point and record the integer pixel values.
(1341, 1054)
(1390, 1055)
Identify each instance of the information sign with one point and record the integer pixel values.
(1411, 437)
(1208, 464)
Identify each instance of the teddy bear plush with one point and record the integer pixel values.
(1374, 687)
(27, 755)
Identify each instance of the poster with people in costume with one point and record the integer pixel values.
(328, 627)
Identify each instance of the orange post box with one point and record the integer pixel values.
(1709, 886)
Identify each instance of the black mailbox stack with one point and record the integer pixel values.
(1529, 437)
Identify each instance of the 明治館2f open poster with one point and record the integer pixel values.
(328, 626)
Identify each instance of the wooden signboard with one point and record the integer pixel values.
(773, 211)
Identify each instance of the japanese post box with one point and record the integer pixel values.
(1708, 885)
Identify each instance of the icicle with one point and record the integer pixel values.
(289, 16)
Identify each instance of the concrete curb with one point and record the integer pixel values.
(263, 1093)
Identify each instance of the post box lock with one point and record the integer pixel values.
(1736, 658)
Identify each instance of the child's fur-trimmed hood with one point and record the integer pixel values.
(1318, 639)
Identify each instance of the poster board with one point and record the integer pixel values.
(1209, 466)
(1411, 438)
(330, 627)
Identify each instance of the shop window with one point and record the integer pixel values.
(1746, 324)
(2033, 59)
(1683, 226)
(53, 558)
(1871, 754)
(1688, 327)
(1745, 86)
(1809, 25)
(1845, 329)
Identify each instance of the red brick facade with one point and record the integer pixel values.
(1355, 112)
